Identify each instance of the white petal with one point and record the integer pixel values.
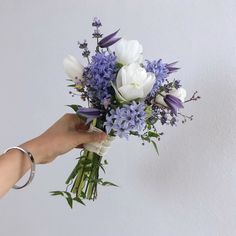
(119, 77)
(73, 68)
(150, 80)
(179, 93)
(118, 95)
(128, 51)
(131, 92)
(159, 99)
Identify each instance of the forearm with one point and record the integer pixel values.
(14, 164)
(67, 133)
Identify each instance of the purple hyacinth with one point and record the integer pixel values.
(129, 117)
(173, 103)
(99, 74)
(161, 71)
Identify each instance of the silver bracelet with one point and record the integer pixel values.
(32, 171)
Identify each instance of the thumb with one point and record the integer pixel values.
(90, 137)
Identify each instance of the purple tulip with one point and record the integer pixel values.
(173, 103)
(108, 40)
(89, 113)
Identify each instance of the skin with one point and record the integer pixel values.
(67, 133)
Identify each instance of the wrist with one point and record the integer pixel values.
(39, 150)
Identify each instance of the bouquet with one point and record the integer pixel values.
(127, 95)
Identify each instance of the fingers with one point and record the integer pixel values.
(90, 137)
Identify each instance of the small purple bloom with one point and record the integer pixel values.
(173, 103)
(97, 34)
(89, 113)
(96, 22)
(123, 120)
(108, 40)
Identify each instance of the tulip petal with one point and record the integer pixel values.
(118, 95)
(131, 92)
(179, 93)
(73, 68)
(149, 83)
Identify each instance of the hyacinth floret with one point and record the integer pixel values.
(123, 120)
(99, 74)
(161, 71)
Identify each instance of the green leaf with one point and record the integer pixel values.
(67, 194)
(74, 107)
(55, 193)
(147, 139)
(69, 198)
(101, 166)
(153, 134)
(73, 173)
(119, 65)
(70, 202)
(79, 200)
(106, 183)
(155, 146)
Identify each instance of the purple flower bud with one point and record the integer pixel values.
(173, 103)
(89, 113)
(171, 68)
(108, 40)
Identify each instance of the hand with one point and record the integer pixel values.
(67, 133)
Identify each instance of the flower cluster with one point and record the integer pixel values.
(126, 94)
(161, 71)
(126, 119)
(99, 74)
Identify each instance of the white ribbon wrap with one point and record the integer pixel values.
(99, 148)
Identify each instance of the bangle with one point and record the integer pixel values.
(32, 171)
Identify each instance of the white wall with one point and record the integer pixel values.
(191, 188)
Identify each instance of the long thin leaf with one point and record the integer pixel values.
(79, 200)
(70, 202)
(155, 146)
(106, 183)
(56, 193)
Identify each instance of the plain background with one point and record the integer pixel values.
(190, 189)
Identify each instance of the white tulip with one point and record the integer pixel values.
(133, 82)
(128, 51)
(73, 68)
(179, 93)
